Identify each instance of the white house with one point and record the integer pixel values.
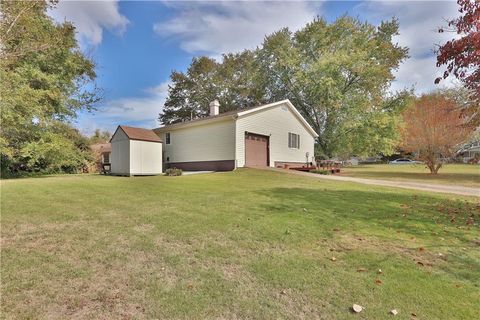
(272, 135)
(135, 151)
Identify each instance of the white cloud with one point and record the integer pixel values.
(91, 18)
(218, 27)
(419, 22)
(136, 111)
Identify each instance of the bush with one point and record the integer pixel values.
(320, 171)
(173, 172)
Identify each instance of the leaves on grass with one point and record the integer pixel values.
(361, 270)
(378, 281)
(394, 312)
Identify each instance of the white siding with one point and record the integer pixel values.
(205, 142)
(120, 161)
(275, 122)
(145, 157)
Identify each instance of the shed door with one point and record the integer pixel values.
(256, 150)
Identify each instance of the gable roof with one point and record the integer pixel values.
(234, 114)
(138, 134)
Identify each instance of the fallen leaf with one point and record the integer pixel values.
(413, 314)
(394, 312)
(378, 281)
(361, 270)
(357, 308)
(421, 249)
(333, 259)
(420, 263)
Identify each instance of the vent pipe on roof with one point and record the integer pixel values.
(214, 108)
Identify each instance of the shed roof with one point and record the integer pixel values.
(139, 134)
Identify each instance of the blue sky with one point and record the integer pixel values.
(137, 44)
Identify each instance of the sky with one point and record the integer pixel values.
(137, 44)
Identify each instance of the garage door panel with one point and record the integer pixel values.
(256, 150)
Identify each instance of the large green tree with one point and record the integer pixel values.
(45, 81)
(338, 75)
(232, 82)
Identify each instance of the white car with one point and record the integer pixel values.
(404, 161)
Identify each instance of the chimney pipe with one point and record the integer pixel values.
(214, 108)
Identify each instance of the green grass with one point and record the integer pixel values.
(248, 244)
(452, 174)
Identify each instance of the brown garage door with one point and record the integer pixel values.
(256, 150)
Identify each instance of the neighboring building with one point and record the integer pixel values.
(274, 135)
(470, 153)
(135, 151)
(101, 152)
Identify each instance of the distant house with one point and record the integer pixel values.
(101, 152)
(469, 153)
(271, 135)
(136, 151)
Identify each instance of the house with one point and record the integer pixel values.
(274, 135)
(135, 151)
(469, 153)
(101, 153)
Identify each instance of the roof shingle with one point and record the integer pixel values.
(140, 134)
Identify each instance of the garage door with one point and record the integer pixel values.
(256, 150)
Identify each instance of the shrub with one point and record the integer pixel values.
(320, 171)
(173, 172)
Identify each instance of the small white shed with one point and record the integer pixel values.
(136, 151)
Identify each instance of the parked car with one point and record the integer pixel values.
(404, 161)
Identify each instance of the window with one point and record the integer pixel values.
(167, 138)
(293, 140)
(106, 158)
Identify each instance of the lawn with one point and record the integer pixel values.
(452, 174)
(248, 244)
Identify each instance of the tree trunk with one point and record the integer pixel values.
(432, 165)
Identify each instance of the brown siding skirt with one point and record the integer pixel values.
(217, 165)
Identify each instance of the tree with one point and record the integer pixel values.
(461, 55)
(46, 80)
(231, 82)
(100, 137)
(336, 74)
(434, 129)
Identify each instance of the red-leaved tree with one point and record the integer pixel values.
(434, 129)
(462, 56)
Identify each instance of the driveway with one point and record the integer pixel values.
(442, 188)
